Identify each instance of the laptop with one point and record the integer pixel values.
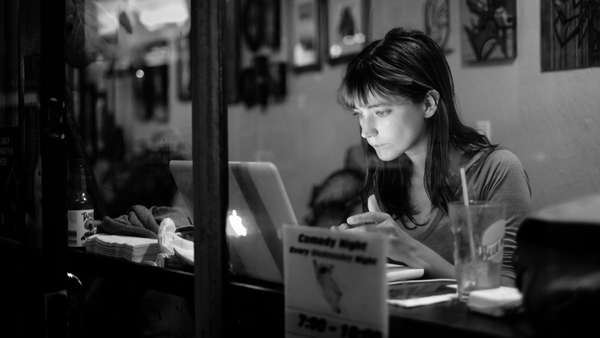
(257, 209)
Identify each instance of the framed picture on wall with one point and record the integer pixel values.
(488, 33)
(233, 53)
(272, 24)
(152, 92)
(277, 81)
(567, 39)
(437, 22)
(306, 41)
(253, 26)
(347, 28)
(151, 82)
(184, 72)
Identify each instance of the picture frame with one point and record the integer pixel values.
(184, 84)
(253, 23)
(272, 15)
(437, 22)
(151, 82)
(277, 81)
(306, 40)
(233, 52)
(264, 82)
(488, 35)
(348, 28)
(152, 93)
(562, 48)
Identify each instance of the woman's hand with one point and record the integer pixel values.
(403, 247)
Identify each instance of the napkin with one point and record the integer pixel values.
(496, 302)
(134, 249)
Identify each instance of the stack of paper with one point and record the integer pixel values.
(135, 249)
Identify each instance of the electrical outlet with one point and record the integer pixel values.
(485, 127)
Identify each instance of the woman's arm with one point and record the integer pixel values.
(403, 247)
(417, 255)
(502, 178)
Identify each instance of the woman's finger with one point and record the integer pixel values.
(371, 217)
(341, 227)
(372, 204)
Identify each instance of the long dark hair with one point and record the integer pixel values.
(408, 63)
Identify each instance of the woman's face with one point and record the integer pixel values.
(393, 128)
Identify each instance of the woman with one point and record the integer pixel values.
(401, 89)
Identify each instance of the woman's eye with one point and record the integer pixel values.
(358, 114)
(383, 112)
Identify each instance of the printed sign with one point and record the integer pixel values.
(491, 242)
(335, 283)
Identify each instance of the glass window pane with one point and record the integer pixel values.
(129, 78)
(10, 137)
(285, 114)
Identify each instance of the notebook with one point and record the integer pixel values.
(257, 209)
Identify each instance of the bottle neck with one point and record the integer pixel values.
(80, 183)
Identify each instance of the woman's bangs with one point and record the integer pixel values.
(360, 93)
(352, 93)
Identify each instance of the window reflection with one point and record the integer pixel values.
(129, 113)
(9, 121)
(131, 121)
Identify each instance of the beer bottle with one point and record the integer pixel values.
(80, 207)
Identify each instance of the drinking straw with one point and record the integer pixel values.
(463, 179)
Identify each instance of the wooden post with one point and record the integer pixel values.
(54, 166)
(209, 153)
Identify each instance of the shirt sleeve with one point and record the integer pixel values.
(503, 179)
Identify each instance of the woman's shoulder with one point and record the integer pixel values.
(494, 160)
(500, 171)
(504, 157)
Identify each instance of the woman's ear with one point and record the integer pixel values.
(431, 103)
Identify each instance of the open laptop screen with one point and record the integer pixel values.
(257, 209)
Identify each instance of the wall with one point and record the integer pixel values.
(550, 120)
(306, 136)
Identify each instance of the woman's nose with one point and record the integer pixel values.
(367, 129)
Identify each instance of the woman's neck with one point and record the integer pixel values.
(455, 156)
(418, 158)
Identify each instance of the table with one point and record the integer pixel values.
(454, 319)
(254, 308)
(449, 319)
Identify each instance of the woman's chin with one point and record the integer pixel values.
(386, 157)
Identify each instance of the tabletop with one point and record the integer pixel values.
(253, 303)
(454, 316)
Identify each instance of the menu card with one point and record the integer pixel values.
(335, 283)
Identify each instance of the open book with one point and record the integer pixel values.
(397, 272)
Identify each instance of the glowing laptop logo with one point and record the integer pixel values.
(236, 224)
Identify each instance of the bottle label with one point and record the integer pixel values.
(81, 225)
